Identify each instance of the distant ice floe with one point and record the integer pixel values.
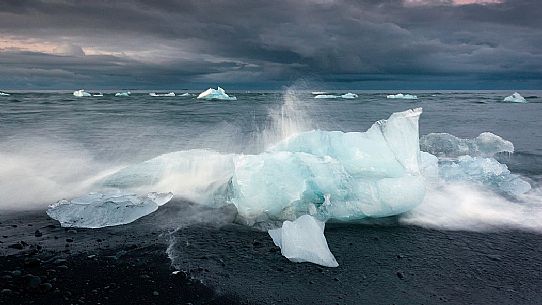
(81, 93)
(123, 94)
(515, 98)
(215, 94)
(98, 94)
(170, 94)
(402, 96)
(349, 95)
(318, 92)
(4, 93)
(303, 240)
(97, 210)
(186, 94)
(332, 96)
(326, 96)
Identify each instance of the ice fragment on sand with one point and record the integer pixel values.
(96, 210)
(303, 240)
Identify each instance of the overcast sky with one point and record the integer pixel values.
(367, 44)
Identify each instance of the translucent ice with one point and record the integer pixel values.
(486, 171)
(218, 94)
(124, 94)
(96, 210)
(349, 95)
(486, 144)
(402, 96)
(81, 93)
(515, 98)
(303, 240)
(365, 174)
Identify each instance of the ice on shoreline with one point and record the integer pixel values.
(515, 98)
(97, 210)
(215, 94)
(486, 144)
(402, 96)
(303, 240)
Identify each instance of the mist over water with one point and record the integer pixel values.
(55, 146)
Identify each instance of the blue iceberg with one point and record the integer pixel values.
(515, 98)
(215, 94)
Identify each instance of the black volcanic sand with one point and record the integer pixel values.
(225, 263)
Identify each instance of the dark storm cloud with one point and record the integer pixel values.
(149, 43)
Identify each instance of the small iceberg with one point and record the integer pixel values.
(303, 240)
(124, 94)
(326, 96)
(515, 98)
(162, 94)
(186, 94)
(319, 92)
(402, 96)
(218, 94)
(81, 93)
(349, 95)
(97, 210)
(98, 94)
(4, 94)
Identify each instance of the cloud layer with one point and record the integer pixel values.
(144, 44)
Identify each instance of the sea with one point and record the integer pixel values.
(52, 144)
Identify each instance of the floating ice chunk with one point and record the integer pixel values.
(218, 94)
(303, 240)
(81, 93)
(402, 96)
(326, 96)
(4, 93)
(162, 94)
(97, 210)
(186, 94)
(486, 171)
(123, 94)
(515, 98)
(319, 92)
(349, 95)
(98, 94)
(446, 145)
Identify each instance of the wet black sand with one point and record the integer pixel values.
(224, 263)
